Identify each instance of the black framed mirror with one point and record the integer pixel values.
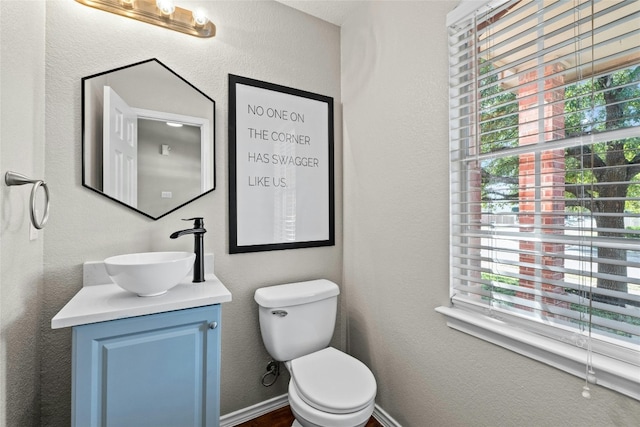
(148, 138)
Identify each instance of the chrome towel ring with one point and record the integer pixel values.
(14, 178)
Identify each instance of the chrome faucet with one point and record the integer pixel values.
(198, 231)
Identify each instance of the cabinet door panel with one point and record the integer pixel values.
(157, 370)
(143, 384)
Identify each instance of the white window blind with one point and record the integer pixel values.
(545, 174)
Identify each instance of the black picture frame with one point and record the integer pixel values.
(281, 167)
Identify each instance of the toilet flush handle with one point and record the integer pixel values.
(280, 313)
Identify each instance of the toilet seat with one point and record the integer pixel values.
(333, 382)
(308, 416)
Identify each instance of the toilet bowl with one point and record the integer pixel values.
(328, 388)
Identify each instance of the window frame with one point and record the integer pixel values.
(614, 366)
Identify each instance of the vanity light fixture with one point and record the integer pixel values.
(163, 13)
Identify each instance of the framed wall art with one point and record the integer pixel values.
(281, 183)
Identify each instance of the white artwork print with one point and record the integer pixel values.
(282, 167)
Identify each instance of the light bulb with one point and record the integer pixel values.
(166, 7)
(199, 18)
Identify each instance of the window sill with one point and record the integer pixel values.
(614, 374)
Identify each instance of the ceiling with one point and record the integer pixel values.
(334, 11)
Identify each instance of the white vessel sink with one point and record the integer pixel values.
(149, 273)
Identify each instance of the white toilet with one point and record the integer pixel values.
(328, 388)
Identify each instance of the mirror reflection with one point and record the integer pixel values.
(148, 138)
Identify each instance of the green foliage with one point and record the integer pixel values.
(586, 100)
(498, 114)
(590, 106)
(499, 130)
(624, 318)
(502, 279)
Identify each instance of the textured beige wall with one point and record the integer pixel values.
(22, 83)
(394, 62)
(394, 81)
(263, 40)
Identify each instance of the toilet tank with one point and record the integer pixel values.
(297, 318)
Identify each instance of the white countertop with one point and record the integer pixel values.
(100, 299)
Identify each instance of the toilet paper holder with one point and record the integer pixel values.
(14, 178)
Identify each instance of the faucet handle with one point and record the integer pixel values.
(199, 221)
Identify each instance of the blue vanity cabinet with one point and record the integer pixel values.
(155, 370)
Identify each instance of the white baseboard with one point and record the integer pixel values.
(243, 415)
(384, 418)
(247, 414)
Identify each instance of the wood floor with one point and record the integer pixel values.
(283, 418)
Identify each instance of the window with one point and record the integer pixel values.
(545, 183)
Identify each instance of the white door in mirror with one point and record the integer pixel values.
(120, 151)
